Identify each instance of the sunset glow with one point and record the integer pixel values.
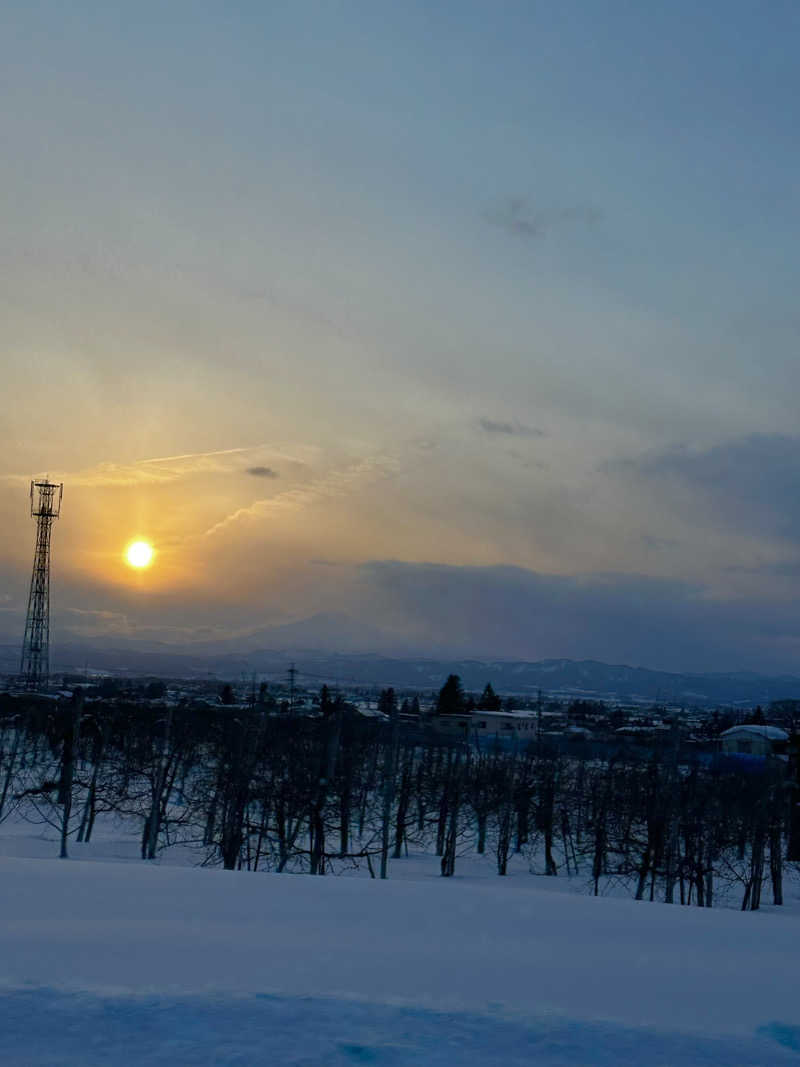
(462, 341)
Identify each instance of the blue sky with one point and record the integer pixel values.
(485, 286)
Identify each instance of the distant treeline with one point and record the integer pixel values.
(249, 788)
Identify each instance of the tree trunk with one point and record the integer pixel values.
(344, 824)
(482, 821)
(68, 767)
(793, 844)
(503, 841)
(451, 837)
(389, 771)
(87, 819)
(12, 759)
(330, 754)
(154, 822)
(776, 864)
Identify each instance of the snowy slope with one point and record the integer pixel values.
(126, 963)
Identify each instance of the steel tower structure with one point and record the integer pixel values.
(45, 508)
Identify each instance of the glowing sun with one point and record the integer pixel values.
(139, 554)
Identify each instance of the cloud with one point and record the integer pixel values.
(195, 455)
(161, 470)
(750, 483)
(90, 621)
(515, 216)
(514, 613)
(334, 484)
(658, 544)
(778, 569)
(156, 471)
(510, 429)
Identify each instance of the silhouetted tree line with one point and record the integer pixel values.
(247, 788)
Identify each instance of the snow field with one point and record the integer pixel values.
(99, 961)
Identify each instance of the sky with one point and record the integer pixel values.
(473, 322)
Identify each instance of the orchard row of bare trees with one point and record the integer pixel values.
(249, 789)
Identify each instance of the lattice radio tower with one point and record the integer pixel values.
(45, 507)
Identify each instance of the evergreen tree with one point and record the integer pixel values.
(489, 701)
(387, 702)
(326, 704)
(451, 700)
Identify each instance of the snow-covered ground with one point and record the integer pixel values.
(132, 963)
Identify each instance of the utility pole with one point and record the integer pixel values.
(35, 663)
(292, 673)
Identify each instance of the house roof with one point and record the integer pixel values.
(772, 733)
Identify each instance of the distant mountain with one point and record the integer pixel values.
(565, 678)
(325, 632)
(589, 679)
(334, 648)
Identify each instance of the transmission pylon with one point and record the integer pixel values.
(45, 508)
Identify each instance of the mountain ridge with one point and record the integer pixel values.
(565, 678)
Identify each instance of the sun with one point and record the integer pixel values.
(139, 554)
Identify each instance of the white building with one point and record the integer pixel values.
(754, 740)
(488, 724)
